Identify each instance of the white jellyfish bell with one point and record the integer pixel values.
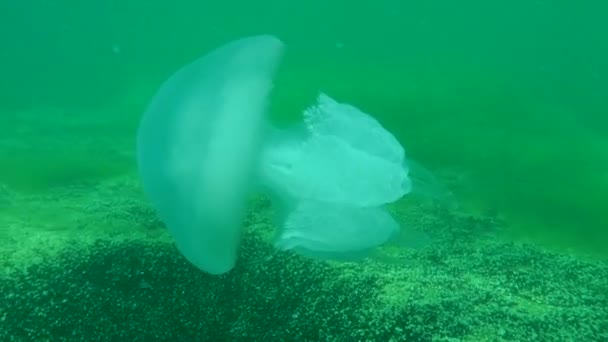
(198, 146)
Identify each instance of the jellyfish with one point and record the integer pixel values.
(205, 144)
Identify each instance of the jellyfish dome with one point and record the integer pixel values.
(198, 145)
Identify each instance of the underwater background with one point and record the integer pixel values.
(506, 102)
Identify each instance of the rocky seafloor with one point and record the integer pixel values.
(92, 263)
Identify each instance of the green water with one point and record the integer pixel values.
(506, 101)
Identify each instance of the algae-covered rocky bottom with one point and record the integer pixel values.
(466, 285)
